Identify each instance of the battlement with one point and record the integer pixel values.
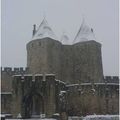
(36, 81)
(111, 79)
(37, 77)
(16, 70)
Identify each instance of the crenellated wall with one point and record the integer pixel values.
(84, 98)
(111, 79)
(35, 94)
(15, 70)
(6, 77)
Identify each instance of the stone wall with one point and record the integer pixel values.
(67, 64)
(86, 99)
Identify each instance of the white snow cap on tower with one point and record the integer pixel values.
(65, 39)
(85, 33)
(44, 31)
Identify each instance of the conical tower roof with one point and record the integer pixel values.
(43, 31)
(64, 39)
(85, 33)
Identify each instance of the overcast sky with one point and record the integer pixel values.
(18, 17)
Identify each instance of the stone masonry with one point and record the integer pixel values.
(71, 63)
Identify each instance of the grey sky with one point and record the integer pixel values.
(18, 16)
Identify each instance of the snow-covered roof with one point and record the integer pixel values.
(43, 31)
(85, 33)
(65, 39)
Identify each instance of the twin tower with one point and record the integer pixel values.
(72, 63)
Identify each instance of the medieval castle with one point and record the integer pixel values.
(60, 77)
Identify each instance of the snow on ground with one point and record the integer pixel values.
(33, 119)
(75, 118)
(96, 117)
(89, 117)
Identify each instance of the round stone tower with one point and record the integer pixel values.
(87, 62)
(44, 52)
(87, 56)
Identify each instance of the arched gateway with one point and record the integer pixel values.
(33, 104)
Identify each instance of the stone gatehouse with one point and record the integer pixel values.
(60, 77)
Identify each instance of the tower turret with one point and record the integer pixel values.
(44, 52)
(85, 33)
(44, 31)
